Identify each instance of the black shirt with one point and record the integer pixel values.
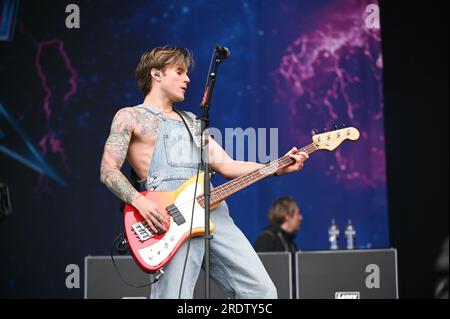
(274, 238)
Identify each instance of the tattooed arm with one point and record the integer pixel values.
(114, 155)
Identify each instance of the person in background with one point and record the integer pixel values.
(285, 220)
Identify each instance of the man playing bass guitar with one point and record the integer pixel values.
(148, 136)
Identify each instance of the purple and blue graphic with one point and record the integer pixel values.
(8, 13)
(294, 65)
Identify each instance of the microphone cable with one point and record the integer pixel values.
(122, 250)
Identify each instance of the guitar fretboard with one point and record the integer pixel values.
(223, 191)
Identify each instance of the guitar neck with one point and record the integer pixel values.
(225, 190)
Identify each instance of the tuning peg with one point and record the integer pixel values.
(335, 126)
(314, 131)
(343, 125)
(324, 129)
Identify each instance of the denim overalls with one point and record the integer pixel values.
(234, 264)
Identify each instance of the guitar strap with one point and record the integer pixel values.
(192, 125)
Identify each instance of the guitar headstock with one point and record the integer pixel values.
(332, 139)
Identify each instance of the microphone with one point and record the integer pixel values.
(222, 52)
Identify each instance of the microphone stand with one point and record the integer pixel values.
(206, 105)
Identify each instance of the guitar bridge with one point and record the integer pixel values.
(143, 231)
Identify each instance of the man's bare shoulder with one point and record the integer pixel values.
(123, 120)
(125, 113)
(139, 119)
(134, 115)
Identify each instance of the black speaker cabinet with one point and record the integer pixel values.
(102, 281)
(279, 267)
(347, 274)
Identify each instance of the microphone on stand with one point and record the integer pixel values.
(222, 52)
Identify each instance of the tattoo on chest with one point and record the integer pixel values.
(146, 123)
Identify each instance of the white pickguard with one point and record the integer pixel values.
(156, 253)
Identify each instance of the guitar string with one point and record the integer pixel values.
(244, 180)
(239, 183)
(222, 190)
(248, 179)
